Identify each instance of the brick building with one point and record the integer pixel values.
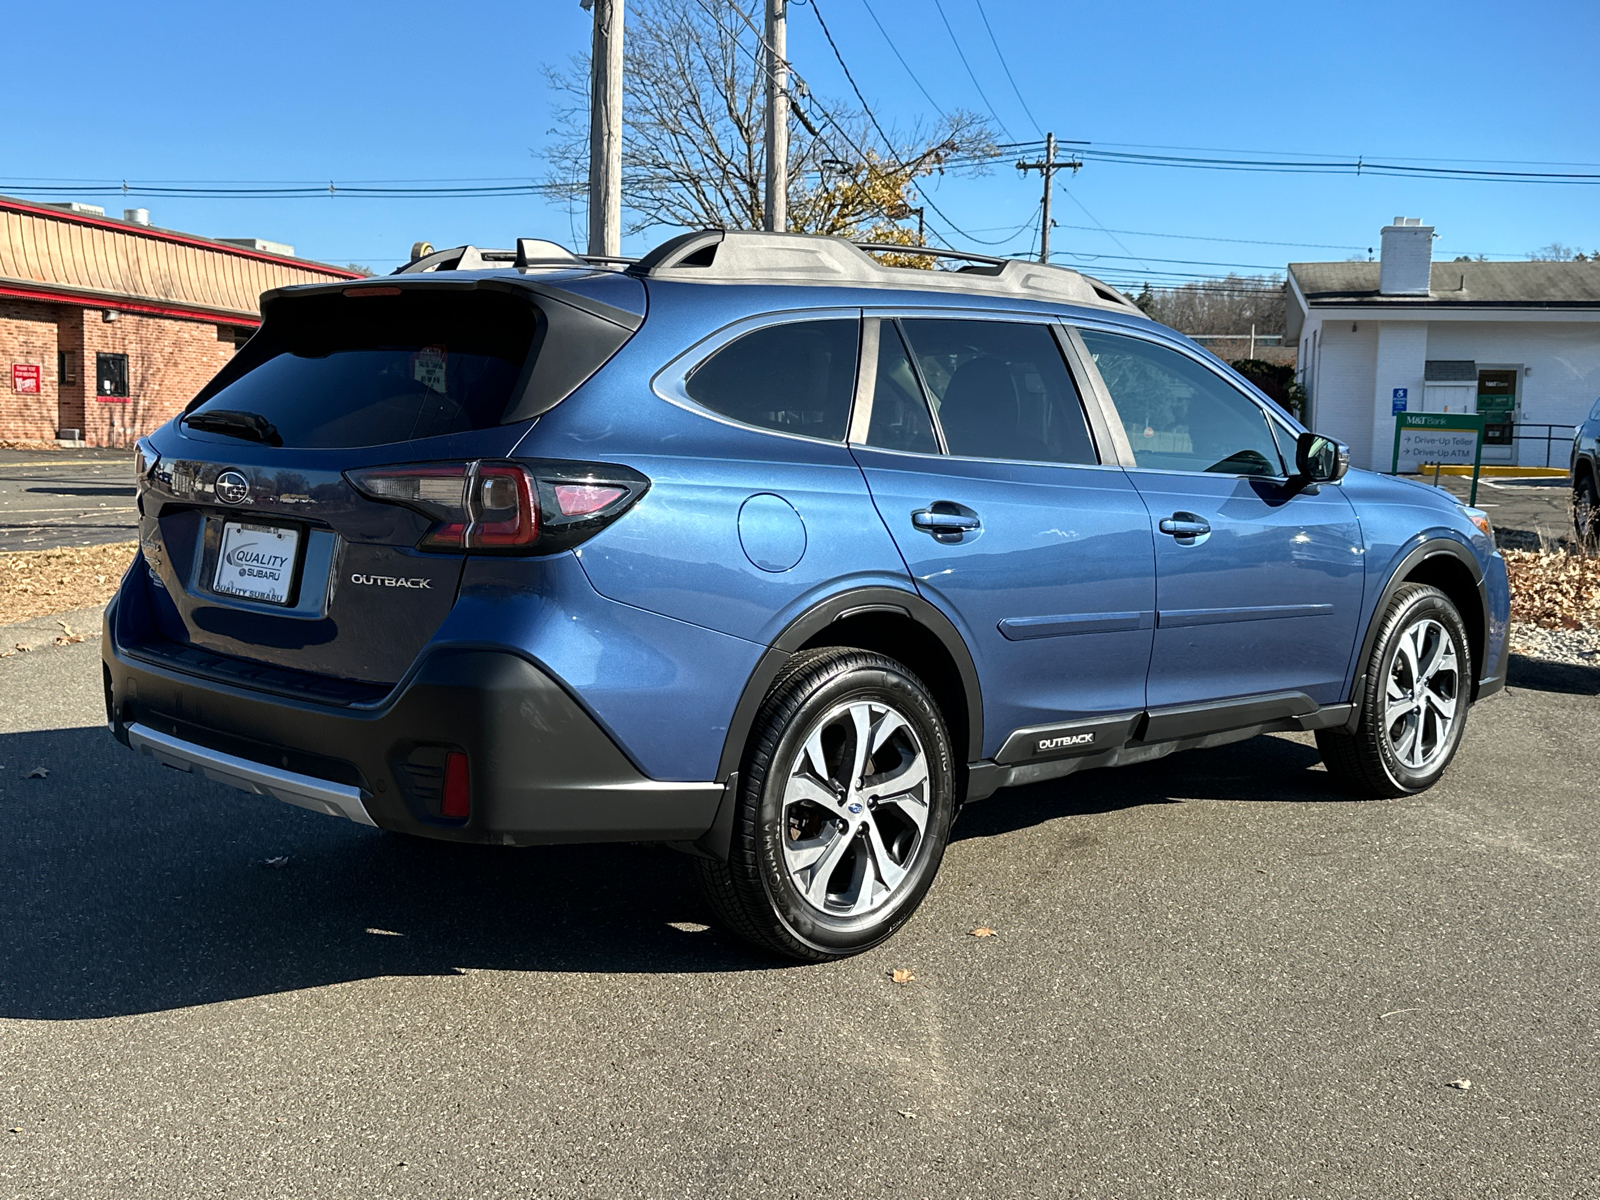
(108, 327)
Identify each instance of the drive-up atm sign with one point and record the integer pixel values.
(1448, 439)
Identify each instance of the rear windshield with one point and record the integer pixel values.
(332, 371)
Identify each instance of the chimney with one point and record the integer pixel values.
(1406, 258)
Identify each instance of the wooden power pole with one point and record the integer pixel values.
(1048, 167)
(776, 208)
(605, 128)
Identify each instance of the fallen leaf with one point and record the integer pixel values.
(69, 640)
(276, 864)
(900, 975)
(37, 773)
(907, 1114)
(1461, 1085)
(65, 628)
(24, 647)
(984, 931)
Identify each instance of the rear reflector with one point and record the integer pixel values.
(456, 801)
(581, 499)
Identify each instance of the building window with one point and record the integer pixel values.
(111, 376)
(66, 367)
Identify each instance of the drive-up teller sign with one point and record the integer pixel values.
(1447, 439)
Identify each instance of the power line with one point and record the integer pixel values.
(1200, 237)
(1103, 229)
(962, 54)
(888, 142)
(1357, 166)
(993, 41)
(866, 4)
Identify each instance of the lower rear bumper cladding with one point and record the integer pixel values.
(542, 770)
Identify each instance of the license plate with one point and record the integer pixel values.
(256, 562)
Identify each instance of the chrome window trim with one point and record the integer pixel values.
(1119, 430)
(860, 422)
(670, 383)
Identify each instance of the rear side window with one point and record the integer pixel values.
(796, 377)
(337, 371)
(1001, 390)
(900, 419)
(1178, 415)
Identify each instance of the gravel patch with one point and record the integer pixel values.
(1579, 647)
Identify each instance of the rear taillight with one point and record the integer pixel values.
(455, 800)
(531, 507)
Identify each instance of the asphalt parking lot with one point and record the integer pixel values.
(54, 498)
(1212, 977)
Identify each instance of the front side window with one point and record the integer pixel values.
(796, 377)
(1178, 415)
(111, 376)
(1001, 390)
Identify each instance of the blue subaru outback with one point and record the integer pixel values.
(767, 550)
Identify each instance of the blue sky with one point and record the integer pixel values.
(407, 90)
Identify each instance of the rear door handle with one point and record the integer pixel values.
(945, 520)
(1185, 525)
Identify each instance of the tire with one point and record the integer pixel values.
(1586, 510)
(820, 866)
(1414, 703)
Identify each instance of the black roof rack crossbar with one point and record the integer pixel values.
(931, 252)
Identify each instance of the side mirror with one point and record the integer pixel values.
(1319, 459)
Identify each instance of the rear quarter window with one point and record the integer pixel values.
(797, 377)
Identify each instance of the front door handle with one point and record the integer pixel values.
(1185, 525)
(945, 521)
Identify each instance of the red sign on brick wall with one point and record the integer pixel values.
(25, 378)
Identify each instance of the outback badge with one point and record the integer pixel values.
(1064, 742)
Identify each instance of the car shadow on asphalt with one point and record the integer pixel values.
(1538, 675)
(127, 888)
(1261, 769)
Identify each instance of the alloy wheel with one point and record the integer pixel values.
(855, 808)
(1423, 695)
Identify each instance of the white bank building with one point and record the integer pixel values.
(1517, 342)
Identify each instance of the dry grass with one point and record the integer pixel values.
(1554, 589)
(30, 444)
(38, 583)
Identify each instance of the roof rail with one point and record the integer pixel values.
(530, 252)
(739, 256)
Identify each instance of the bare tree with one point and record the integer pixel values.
(1559, 252)
(694, 126)
(1228, 305)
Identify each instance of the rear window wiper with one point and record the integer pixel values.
(252, 427)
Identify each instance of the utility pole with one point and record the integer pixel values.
(605, 128)
(1048, 168)
(776, 209)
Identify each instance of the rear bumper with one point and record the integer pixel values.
(541, 769)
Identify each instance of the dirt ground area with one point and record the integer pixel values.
(40, 583)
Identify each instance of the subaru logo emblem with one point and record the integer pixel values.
(232, 487)
(854, 806)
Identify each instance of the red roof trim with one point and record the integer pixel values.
(182, 239)
(215, 316)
